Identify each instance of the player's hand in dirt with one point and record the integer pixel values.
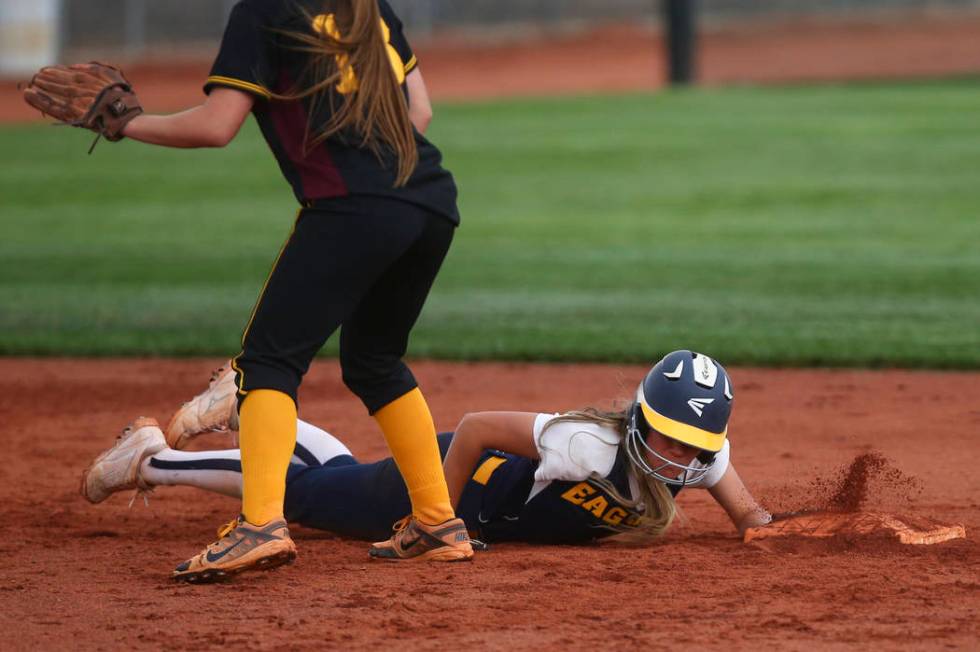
(756, 518)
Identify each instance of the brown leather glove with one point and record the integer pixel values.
(94, 96)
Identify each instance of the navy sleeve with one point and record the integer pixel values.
(244, 59)
(396, 36)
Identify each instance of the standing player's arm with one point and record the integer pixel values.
(511, 432)
(735, 498)
(212, 124)
(419, 107)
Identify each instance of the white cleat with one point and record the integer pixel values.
(118, 468)
(213, 410)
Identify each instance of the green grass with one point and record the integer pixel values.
(832, 225)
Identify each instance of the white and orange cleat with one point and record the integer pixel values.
(213, 410)
(118, 468)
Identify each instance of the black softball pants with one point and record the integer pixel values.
(363, 264)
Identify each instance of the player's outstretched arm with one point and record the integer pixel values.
(212, 124)
(511, 432)
(740, 505)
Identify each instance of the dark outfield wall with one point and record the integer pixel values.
(118, 25)
(452, 13)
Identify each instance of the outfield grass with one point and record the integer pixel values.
(811, 225)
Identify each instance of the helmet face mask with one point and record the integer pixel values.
(685, 397)
(640, 452)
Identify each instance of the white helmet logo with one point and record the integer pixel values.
(698, 404)
(705, 371)
(676, 373)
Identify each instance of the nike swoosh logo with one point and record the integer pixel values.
(411, 544)
(214, 558)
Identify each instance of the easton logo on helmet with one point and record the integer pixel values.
(698, 404)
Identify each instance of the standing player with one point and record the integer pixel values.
(540, 478)
(340, 100)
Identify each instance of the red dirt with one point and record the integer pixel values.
(82, 576)
(631, 58)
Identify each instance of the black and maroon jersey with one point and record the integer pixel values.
(257, 56)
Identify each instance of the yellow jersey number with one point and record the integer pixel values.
(326, 24)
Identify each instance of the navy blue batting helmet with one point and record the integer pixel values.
(687, 396)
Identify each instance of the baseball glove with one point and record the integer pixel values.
(94, 96)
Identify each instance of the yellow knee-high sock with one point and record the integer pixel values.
(267, 437)
(411, 436)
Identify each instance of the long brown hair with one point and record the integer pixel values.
(659, 509)
(347, 50)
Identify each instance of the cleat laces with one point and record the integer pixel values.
(227, 528)
(141, 493)
(401, 523)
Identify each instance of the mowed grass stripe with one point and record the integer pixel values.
(832, 225)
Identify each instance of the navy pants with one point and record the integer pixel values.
(361, 501)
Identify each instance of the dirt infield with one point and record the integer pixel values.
(632, 58)
(78, 576)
